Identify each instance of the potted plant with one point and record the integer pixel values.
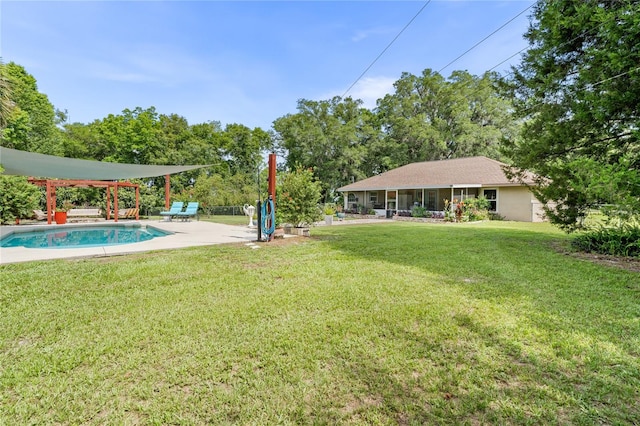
(298, 197)
(339, 212)
(329, 211)
(61, 212)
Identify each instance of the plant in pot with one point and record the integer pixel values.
(297, 200)
(329, 212)
(61, 212)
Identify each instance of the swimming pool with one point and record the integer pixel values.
(60, 237)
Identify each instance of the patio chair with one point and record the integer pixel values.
(39, 215)
(190, 211)
(176, 208)
(127, 213)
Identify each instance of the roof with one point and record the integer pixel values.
(459, 172)
(23, 163)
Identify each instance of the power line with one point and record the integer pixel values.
(386, 48)
(484, 39)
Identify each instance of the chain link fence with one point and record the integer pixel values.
(207, 211)
(224, 211)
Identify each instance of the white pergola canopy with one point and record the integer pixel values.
(23, 163)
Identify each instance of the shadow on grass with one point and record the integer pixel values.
(565, 325)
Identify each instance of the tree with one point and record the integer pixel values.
(429, 118)
(328, 136)
(31, 121)
(578, 92)
(297, 198)
(6, 103)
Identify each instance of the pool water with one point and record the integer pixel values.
(85, 236)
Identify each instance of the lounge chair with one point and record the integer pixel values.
(189, 212)
(176, 208)
(127, 213)
(39, 215)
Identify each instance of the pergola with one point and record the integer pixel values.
(52, 184)
(62, 171)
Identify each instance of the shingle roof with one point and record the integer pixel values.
(471, 171)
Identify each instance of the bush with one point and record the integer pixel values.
(298, 197)
(476, 209)
(418, 211)
(623, 240)
(18, 198)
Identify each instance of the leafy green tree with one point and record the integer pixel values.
(329, 136)
(244, 147)
(31, 122)
(6, 102)
(429, 117)
(297, 198)
(578, 92)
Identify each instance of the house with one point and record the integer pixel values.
(429, 184)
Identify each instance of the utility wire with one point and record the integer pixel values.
(386, 48)
(484, 39)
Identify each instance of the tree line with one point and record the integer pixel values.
(428, 117)
(568, 112)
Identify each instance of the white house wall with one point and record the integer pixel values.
(517, 203)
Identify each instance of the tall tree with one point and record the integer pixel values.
(31, 121)
(6, 102)
(429, 117)
(244, 147)
(328, 136)
(578, 90)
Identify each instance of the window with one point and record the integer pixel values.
(492, 196)
(431, 200)
(352, 198)
(373, 198)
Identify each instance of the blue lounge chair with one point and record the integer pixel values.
(190, 211)
(175, 209)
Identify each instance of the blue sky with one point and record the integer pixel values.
(244, 62)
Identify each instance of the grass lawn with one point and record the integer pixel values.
(228, 219)
(398, 323)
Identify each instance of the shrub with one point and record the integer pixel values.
(418, 211)
(622, 240)
(18, 198)
(476, 209)
(329, 209)
(298, 197)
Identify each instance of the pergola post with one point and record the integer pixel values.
(137, 203)
(108, 202)
(167, 187)
(115, 202)
(48, 189)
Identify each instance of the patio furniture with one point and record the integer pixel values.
(176, 208)
(127, 213)
(39, 215)
(190, 211)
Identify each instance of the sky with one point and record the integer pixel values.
(246, 62)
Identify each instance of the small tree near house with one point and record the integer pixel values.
(298, 197)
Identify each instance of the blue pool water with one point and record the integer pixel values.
(78, 237)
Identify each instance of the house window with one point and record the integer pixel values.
(431, 200)
(373, 198)
(492, 196)
(352, 198)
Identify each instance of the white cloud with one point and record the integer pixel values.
(363, 34)
(370, 89)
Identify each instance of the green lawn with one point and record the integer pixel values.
(398, 323)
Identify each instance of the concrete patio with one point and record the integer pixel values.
(185, 234)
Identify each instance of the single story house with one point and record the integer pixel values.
(429, 184)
